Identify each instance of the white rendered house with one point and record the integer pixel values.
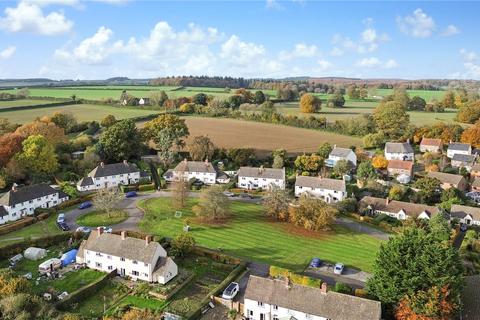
(136, 258)
(399, 151)
(275, 299)
(458, 148)
(467, 215)
(110, 175)
(21, 202)
(338, 154)
(329, 190)
(397, 209)
(252, 178)
(200, 170)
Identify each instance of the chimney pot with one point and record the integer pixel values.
(387, 200)
(101, 164)
(148, 239)
(324, 288)
(99, 230)
(125, 162)
(124, 234)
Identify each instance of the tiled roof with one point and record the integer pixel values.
(453, 179)
(459, 211)
(259, 172)
(105, 170)
(431, 142)
(398, 147)
(27, 193)
(459, 146)
(399, 164)
(87, 181)
(322, 183)
(464, 158)
(393, 206)
(340, 152)
(330, 305)
(195, 166)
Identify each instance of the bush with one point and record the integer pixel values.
(146, 187)
(361, 293)
(341, 287)
(126, 189)
(278, 272)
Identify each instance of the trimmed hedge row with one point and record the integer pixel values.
(84, 292)
(72, 202)
(215, 255)
(36, 106)
(276, 272)
(17, 225)
(43, 242)
(146, 187)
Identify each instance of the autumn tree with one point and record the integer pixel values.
(471, 135)
(201, 148)
(379, 162)
(469, 113)
(309, 103)
(64, 120)
(341, 168)
(397, 192)
(276, 202)
(157, 98)
(108, 121)
(213, 205)
(10, 144)
(312, 214)
(106, 199)
(279, 156)
(308, 163)
(6, 126)
(11, 284)
(180, 192)
(48, 130)
(183, 244)
(392, 119)
(119, 142)
(38, 156)
(430, 304)
(448, 100)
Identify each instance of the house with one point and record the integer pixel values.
(458, 148)
(110, 175)
(329, 190)
(20, 202)
(449, 180)
(463, 161)
(399, 151)
(338, 154)
(466, 215)
(400, 167)
(476, 184)
(469, 299)
(431, 145)
(397, 209)
(252, 178)
(475, 171)
(144, 101)
(136, 258)
(199, 170)
(275, 299)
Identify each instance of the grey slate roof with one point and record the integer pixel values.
(459, 146)
(398, 147)
(195, 166)
(162, 266)
(393, 206)
(340, 152)
(454, 179)
(470, 298)
(459, 211)
(27, 193)
(87, 181)
(322, 183)
(129, 248)
(465, 158)
(330, 305)
(259, 172)
(3, 212)
(113, 169)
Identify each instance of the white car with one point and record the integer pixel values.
(231, 291)
(61, 218)
(338, 268)
(83, 230)
(228, 193)
(106, 229)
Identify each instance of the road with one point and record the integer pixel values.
(362, 228)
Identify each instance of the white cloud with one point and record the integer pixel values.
(450, 30)
(301, 50)
(324, 65)
(471, 65)
(468, 55)
(472, 70)
(241, 53)
(336, 52)
(273, 4)
(373, 62)
(28, 17)
(369, 40)
(418, 25)
(7, 52)
(44, 3)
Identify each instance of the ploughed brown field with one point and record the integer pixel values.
(264, 137)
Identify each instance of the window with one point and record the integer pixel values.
(110, 268)
(122, 259)
(260, 304)
(98, 254)
(275, 307)
(250, 313)
(275, 317)
(134, 261)
(98, 264)
(145, 264)
(109, 257)
(135, 273)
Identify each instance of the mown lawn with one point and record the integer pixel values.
(70, 282)
(38, 229)
(100, 218)
(249, 234)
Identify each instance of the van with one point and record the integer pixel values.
(49, 265)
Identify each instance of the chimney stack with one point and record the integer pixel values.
(125, 162)
(99, 230)
(148, 239)
(324, 288)
(123, 234)
(287, 282)
(14, 187)
(387, 201)
(102, 164)
(408, 140)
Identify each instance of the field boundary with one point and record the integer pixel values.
(39, 106)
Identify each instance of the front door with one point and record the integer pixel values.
(122, 272)
(262, 316)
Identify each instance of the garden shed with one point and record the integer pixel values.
(33, 253)
(69, 257)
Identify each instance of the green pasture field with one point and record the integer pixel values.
(22, 103)
(425, 94)
(249, 234)
(83, 112)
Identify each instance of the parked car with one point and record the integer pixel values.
(83, 230)
(338, 268)
(463, 227)
(228, 193)
(231, 291)
(61, 218)
(63, 226)
(246, 196)
(106, 229)
(49, 265)
(62, 295)
(315, 263)
(85, 205)
(130, 194)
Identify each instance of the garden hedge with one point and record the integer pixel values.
(146, 187)
(36, 106)
(43, 242)
(276, 272)
(17, 225)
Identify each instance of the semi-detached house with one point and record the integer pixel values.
(399, 151)
(397, 209)
(20, 202)
(136, 258)
(111, 175)
(329, 190)
(203, 171)
(252, 178)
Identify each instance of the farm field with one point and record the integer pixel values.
(249, 234)
(425, 94)
(22, 103)
(83, 112)
(264, 137)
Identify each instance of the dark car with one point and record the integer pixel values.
(463, 227)
(130, 194)
(63, 226)
(246, 196)
(315, 263)
(85, 205)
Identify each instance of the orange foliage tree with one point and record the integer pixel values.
(49, 130)
(379, 162)
(472, 135)
(432, 304)
(10, 144)
(309, 103)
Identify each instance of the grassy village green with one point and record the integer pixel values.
(99, 218)
(249, 234)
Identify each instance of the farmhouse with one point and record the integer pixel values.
(338, 154)
(20, 202)
(268, 299)
(399, 151)
(329, 190)
(449, 180)
(431, 145)
(466, 215)
(399, 167)
(458, 148)
(110, 175)
(252, 178)
(136, 258)
(398, 209)
(199, 170)
(463, 161)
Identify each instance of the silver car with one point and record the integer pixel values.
(231, 291)
(338, 268)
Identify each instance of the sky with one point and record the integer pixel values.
(98, 39)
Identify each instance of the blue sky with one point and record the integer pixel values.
(97, 39)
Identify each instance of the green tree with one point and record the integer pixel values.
(417, 103)
(392, 119)
(276, 203)
(108, 121)
(38, 156)
(201, 148)
(119, 142)
(213, 205)
(337, 100)
(279, 158)
(366, 171)
(309, 103)
(6, 126)
(341, 167)
(200, 98)
(439, 227)
(429, 187)
(235, 101)
(308, 163)
(64, 120)
(353, 92)
(324, 150)
(259, 97)
(157, 98)
(183, 244)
